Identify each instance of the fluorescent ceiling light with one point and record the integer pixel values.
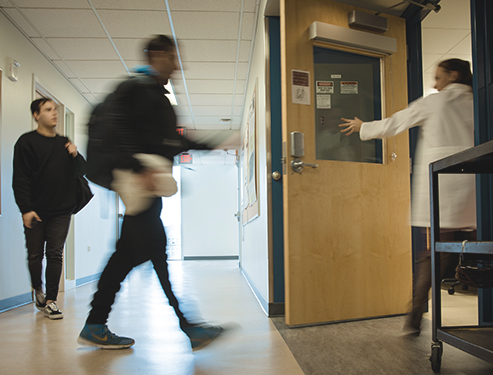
(171, 96)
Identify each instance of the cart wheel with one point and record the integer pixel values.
(451, 291)
(436, 356)
(465, 287)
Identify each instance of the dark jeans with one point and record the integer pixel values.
(52, 232)
(422, 279)
(143, 238)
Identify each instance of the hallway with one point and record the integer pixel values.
(33, 344)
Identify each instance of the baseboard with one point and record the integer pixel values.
(87, 279)
(277, 309)
(220, 257)
(17, 301)
(261, 300)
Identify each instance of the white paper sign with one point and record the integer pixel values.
(300, 87)
(325, 87)
(349, 87)
(336, 76)
(323, 102)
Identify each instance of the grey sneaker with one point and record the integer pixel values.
(52, 311)
(40, 299)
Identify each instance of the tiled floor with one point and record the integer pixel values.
(33, 344)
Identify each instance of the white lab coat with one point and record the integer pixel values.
(447, 127)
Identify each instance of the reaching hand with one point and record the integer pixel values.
(351, 126)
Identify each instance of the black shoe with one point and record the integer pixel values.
(413, 324)
(202, 335)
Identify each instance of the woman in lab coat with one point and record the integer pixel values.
(446, 121)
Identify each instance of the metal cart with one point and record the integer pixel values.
(476, 340)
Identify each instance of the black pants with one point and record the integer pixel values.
(422, 279)
(51, 232)
(142, 239)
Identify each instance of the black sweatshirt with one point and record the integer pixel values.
(45, 175)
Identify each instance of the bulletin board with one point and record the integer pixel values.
(249, 191)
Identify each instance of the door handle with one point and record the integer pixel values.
(297, 165)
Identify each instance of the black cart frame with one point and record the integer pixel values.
(476, 340)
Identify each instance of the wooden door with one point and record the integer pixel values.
(346, 224)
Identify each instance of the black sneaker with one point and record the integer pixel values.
(40, 299)
(52, 312)
(100, 336)
(202, 335)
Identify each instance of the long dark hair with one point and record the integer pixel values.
(462, 67)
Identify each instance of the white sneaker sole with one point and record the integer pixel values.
(85, 342)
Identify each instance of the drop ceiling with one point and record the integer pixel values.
(95, 43)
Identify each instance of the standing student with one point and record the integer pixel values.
(446, 122)
(145, 125)
(45, 189)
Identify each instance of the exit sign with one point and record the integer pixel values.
(186, 158)
(182, 131)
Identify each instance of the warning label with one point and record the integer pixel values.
(349, 87)
(325, 87)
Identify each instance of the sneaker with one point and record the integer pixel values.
(52, 312)
(100, 336)
(40, 299)
(202, 335)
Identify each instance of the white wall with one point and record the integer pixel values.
(254, 250)
(209, 202)
(93, 226)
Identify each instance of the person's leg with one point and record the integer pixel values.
(423, 274)
(56, 230)
(35, 243)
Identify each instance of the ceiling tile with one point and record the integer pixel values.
(463, 47)
(98, 69)
(210, 86)
(65, 22)
(182, 99)
(92, 99)
(441, 40)
(83, 49)
(205, 25)
(238, 110)
(239, 99)
(5, 4)
(430, 60)
(184, 121)
(131, 49)
(135, 24)
(209, 110)
(208, 50)
(240, 86)
(249, 5)
(52, 4)
(210, 120)
(200, 70)
(207, 5)
(129, 4)
(182, 110)
(247, 26)
(245, 47)
(46, 49)
(455, 14)
(77, 83)
(101, 85)
(65, 69)
(212, 127)
(20, 21)
(210, 99)
(100, 97)
(242, 71)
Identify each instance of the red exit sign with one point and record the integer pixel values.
(182, 131)
(186, 158)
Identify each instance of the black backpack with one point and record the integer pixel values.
(101, 150)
